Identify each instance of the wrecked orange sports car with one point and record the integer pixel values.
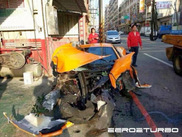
(87, 77)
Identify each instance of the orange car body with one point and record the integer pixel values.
(67, 58)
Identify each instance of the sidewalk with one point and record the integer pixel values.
(18, 99)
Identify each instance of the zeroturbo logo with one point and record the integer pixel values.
(143, 130)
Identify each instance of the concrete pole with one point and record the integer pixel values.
(129, 10)
(145, 18)
(176, 12)
(152, 21)
(100, 21)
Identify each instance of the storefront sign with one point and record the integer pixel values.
(163, 5)
(142, 6)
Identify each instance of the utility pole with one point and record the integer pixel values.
(100, 21)
(145, 18)
(153, 22)
(176, 14)
(129, 12)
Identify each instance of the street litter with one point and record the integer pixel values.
(143, 85)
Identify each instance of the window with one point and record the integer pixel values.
(103, 51)
(112, 33)
(68, 24)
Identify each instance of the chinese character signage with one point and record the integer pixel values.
(142, 6)
(163, 5)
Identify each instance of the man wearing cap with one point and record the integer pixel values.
(133, 41)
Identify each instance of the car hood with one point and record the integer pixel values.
(67, 58)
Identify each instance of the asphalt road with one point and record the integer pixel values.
(162, 102)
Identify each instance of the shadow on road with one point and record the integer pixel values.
(3, 84)
(43, 88)
(16, 114)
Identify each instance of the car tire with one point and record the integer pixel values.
(160, 36)
(177, 64)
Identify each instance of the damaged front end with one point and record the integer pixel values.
(83, 90)
(83, 84)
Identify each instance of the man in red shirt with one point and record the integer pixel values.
(93, 37)
(133, 41)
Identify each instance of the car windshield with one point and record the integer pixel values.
(112, 33)
(103, 51)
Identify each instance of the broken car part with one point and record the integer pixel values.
(120, 66)
(40, 126)
(51, 99)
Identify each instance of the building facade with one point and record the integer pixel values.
(112, 15)
(129, 13)
(106, 20)
(41, 26)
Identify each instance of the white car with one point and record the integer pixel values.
(112, 36)
(146, 31)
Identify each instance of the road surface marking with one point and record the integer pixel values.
(145, 50)
(145, 114)
(158, 60)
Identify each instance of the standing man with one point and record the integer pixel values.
(133, 41)
(93, 37)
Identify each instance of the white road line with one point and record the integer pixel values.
(158, 60)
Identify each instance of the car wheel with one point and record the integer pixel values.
(160, 36)
(177, 64)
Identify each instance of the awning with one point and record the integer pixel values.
(165, 18)
(76, 6)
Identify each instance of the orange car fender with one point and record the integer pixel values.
(121, 65)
